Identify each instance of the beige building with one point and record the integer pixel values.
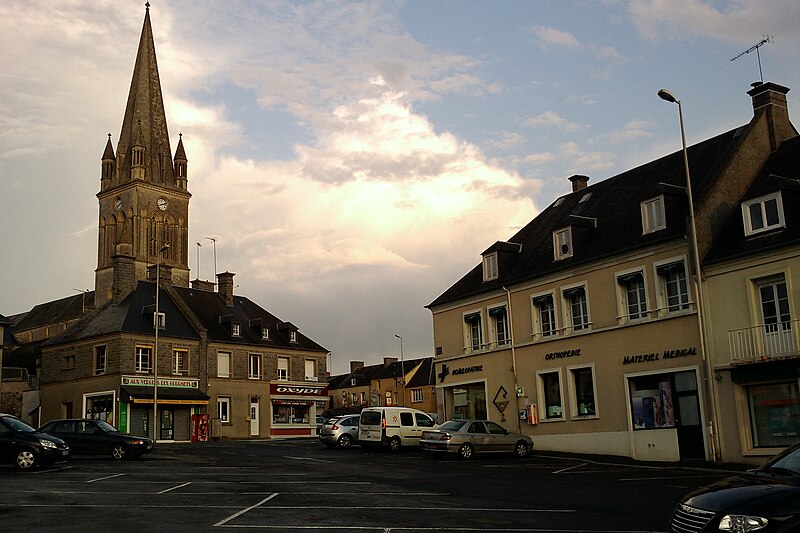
(582, 330)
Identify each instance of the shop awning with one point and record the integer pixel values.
(166, 395)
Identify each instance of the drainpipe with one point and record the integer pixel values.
(513, 361)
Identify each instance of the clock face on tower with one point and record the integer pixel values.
(162, 204)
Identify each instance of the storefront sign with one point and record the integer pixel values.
(170, 401)
(292, 402)
(458, 371)
(561, 355)
(141, 381)
(297, 390)
(656, 356)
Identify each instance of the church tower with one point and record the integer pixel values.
(144, 201)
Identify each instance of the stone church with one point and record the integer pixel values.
(216, 357)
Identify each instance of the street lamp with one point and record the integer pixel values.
(402, 368)
(155, 349)
(669, 97)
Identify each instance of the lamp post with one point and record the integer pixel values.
(402, 368)
(669, 97)
(155, 348)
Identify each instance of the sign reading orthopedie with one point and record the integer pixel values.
(297, 390)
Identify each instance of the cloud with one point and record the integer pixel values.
(633, 130)
(552, 119)
(554, 38)
(585, 162)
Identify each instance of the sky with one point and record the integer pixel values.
(352, 159)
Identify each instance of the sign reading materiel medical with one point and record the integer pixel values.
(297, 390)
(143, 381)
(658, 356)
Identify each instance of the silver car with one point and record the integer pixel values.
(341, 431)
(468, 437)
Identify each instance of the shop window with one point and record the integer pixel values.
(550, 395)
(633, 297)
(100, 406)
(576, 307)
(498, 317)
(674, 289)
(774, 414)
(416, 395)
(473, 332)
(254, 366)
(224, 409)
(223, 364)
(143, 359)
(544, 316)
(311, 370)
(180, 362)
(469, 401)
(100, 359)
(652, 404)
(290, 414)
(283, 368)
(562, 244)
(584, 401)
(763, 214)
(653, 215)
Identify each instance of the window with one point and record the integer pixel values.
(162, 320)
(583, 401)
(254, 367)
(498, 317)
(236, 329)
(653, 215)
(416, 395)
(311, 370)
(774, 414)
(633, 296)
(473, 331)
(292, 336)
(224, 409)
(265, 332)
(577, 308)
(99, 359)
(673, 285)
(550, 395)
(143, 359)
(363, 397)
(652, 402)
(763, 214)
(424, 421)
(283, 368)
(223, 364)
(544, 316)
(776, 316)
(69, 362)
(490, 266)
(180, 362)
(562, 243)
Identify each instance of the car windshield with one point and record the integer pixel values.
(789, 462)
(452, 425)
(17, 424)
(105, 426)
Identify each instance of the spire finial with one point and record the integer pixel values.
(109, 136)
(147, 6)
(180, 136)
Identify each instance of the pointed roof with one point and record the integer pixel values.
(146, 107)
(180, 154)
(108, 153)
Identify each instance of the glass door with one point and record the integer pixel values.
(167, 420)
(776, 318)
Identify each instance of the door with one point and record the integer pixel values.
(167, 424)
(479, 437)
(776, 317)
(688, 421)
(254, 418)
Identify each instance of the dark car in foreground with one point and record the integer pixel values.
(87, 436)
(766, 499)
(468, 437)
(27, 447)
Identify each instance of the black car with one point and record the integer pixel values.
(26, 447)
(766, 499)
(97, 437)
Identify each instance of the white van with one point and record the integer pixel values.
(392, 426)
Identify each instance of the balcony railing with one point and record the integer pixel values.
(765, 341)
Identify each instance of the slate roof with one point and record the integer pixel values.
(55, 312)
(781, 173)
(613, 205)
(366, 374)
(424, 374)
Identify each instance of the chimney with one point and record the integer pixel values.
(124, 279)
(578, 182)
(225, 287)
(389, 360)
(164, 271)
(356, 365)
(202, 285)
(770, 99)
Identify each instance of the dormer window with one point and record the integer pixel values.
(265, 333)
(490, 266)
(653, 215)
(292, 336)
(235, 329)
(562, 243)
(763, 214)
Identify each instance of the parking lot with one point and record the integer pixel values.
(302, 486)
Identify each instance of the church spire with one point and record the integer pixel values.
(145, 121)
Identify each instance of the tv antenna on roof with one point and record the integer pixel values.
(766, 39)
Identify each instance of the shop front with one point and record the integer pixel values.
(462, 391)
(294, 409)
(178, 401)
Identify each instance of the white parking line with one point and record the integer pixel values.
(308, 459)
(569, 468)
(175, 487)
(103, 478)
(231, 517)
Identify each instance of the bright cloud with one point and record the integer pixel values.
(550, 118)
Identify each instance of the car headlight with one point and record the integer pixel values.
(740, 523)
(47, 443)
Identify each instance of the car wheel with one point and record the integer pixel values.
(119, 452)
(26, 459)
(520, 449)
(394, 444)
(466, 450)
(345, 441)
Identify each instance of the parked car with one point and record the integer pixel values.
(766, 499)
(320, 420)
(340, 431)
(392, 427)
(97, 437)
(27, 447)
(468, 437)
